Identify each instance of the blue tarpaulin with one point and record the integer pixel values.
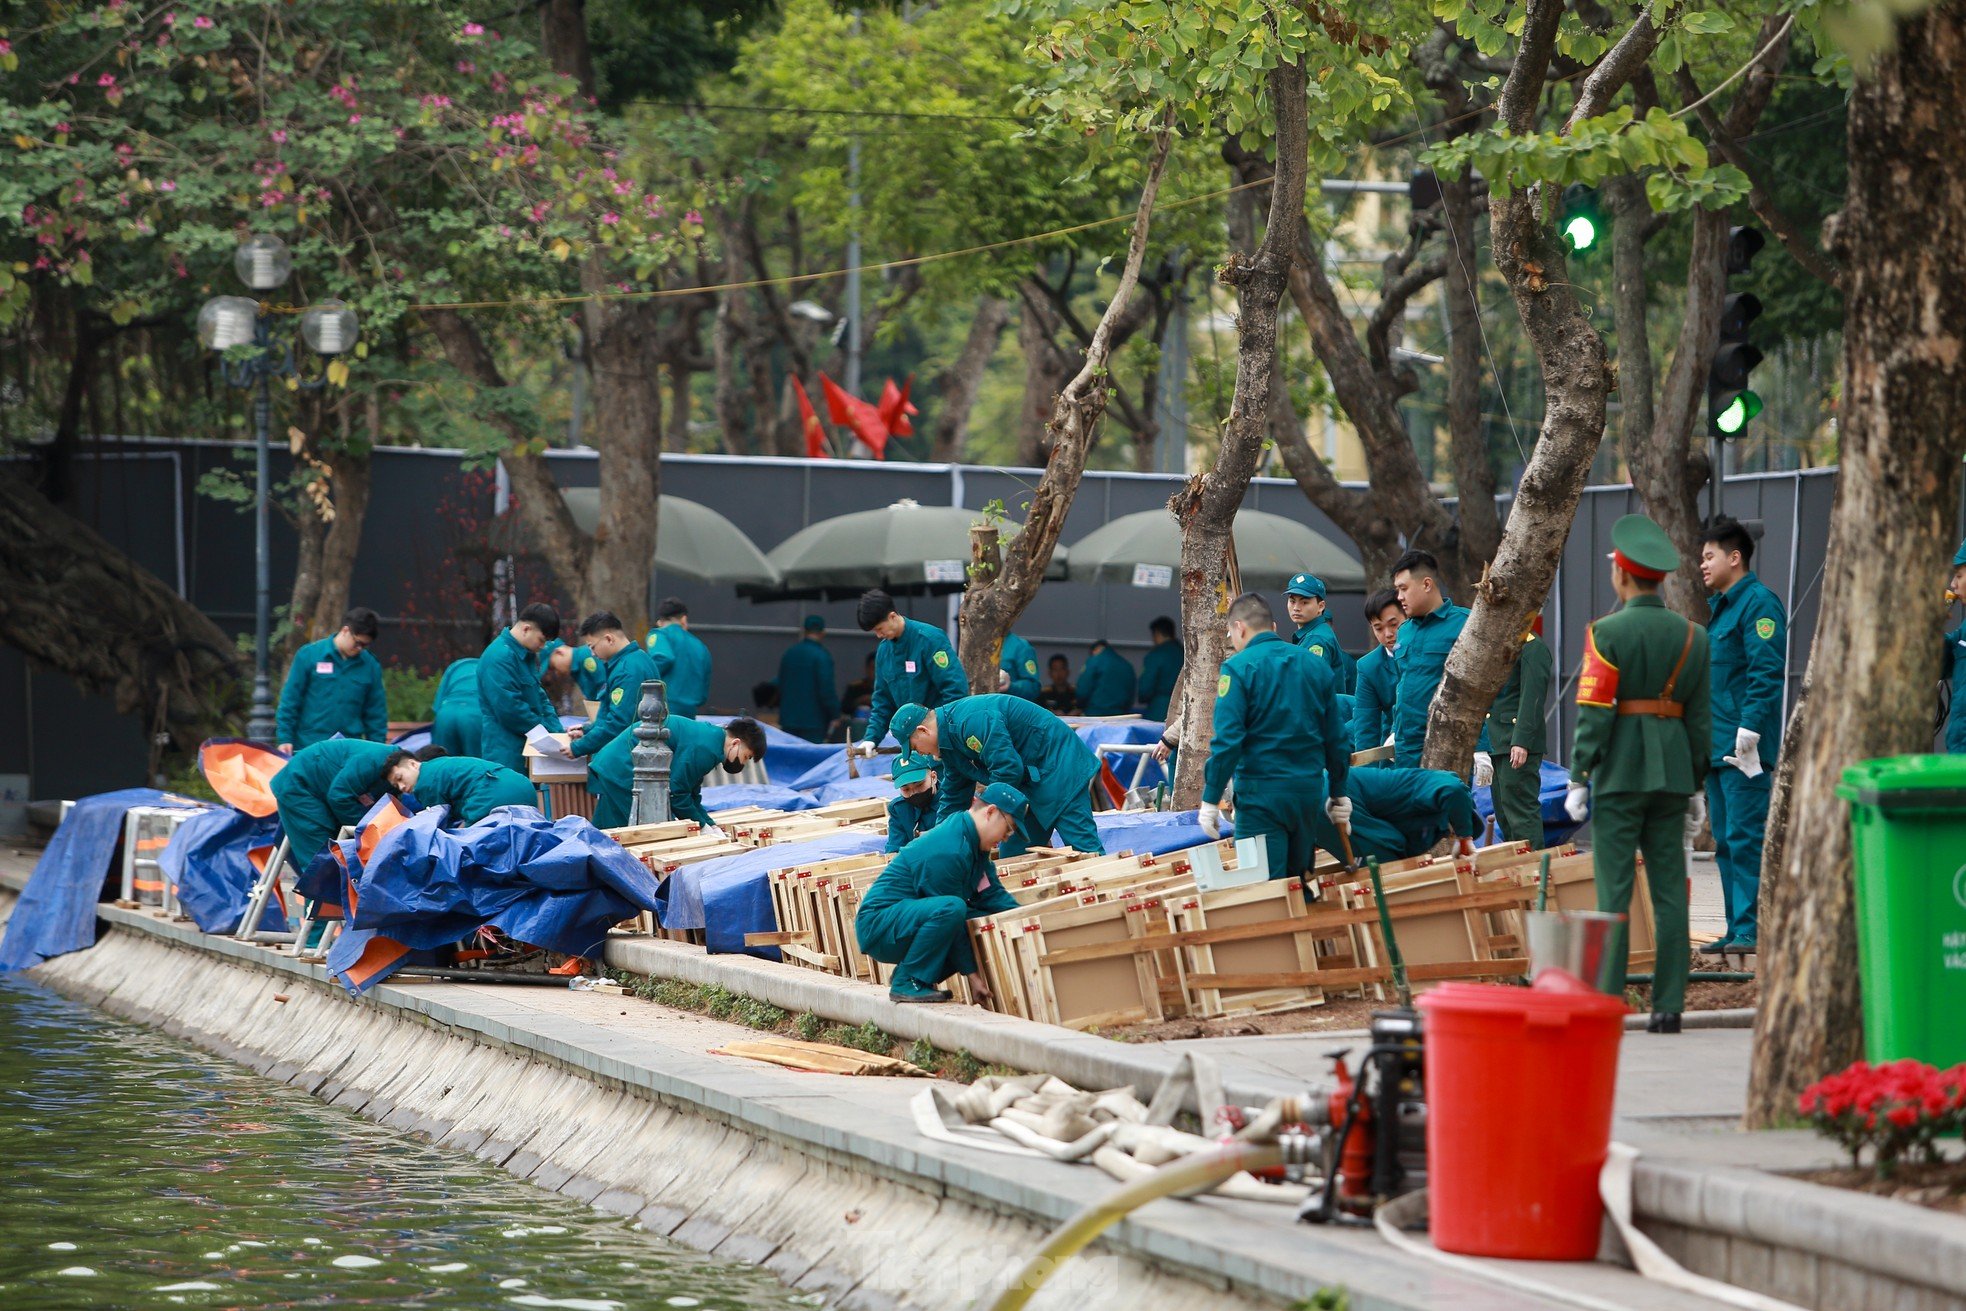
(831, 768)
(853, 789)
(770, 796)
(209, 859)
(1151, 832)
(730, 897)
(1557, 825)
(558, 884)
(787, 755)
(56, 912)
(1127, 732)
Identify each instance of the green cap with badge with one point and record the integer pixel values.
(1305, 585)
(910, 768)
(1642, 549)
(906, 720)
(1007, 799)
(1959, 556)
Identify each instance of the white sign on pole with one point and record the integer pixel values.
(943, 571)
(1153, 575)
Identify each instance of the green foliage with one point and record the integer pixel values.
(182, 776)
(963, 1067)
(1325, 1299)
(808, 1026)
(921, 1052)
(412, 694)
(1674, 162)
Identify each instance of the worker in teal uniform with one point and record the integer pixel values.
(1304, 599)
(808, 698)
(1516, 726)
(913, 665)
(682, 662)
(590, 673)
(915, 916)
(912, 813)
(1397, 813)
(323, 788)
(1160, 670)
(454, 717)
(1375, 684)
(1432, 624)
(335, 686)
(1003, 739)
(697, 750)
(1279, 736)
(1952, 666)
(511, 701)
(1019, 663)
(1641, 750)
(1748, 638)
(628, 667)
(472, 788)
(1107, 683)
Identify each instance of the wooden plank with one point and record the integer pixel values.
(779, 939)
(1338, 978)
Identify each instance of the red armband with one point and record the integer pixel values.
(1597, 681)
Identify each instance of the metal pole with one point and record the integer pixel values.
(650, 759)
(259, 722)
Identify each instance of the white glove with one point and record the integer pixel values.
(1389, 739)
(1003, 680)
(1484, 770)
(1210, 819)
(863, 748)
(1747, 755)
(1339, 810)
(1577, 802)
(712, 831)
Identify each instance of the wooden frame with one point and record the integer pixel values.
(1277, 903)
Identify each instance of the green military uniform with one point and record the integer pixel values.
(590, 673)
(1107, 684)
(682, 662)
(1374, 690)
(917, 668)
(1397, 813)
(1516, 720)
(327, 693)
(909, 817)
(1279, 735)
(627, 671)
(1748, 641)
(1019, 659)
(808, 696)
(1424, 643)
(697, 750)
(322, 789)
(1643, 719)
(1319, 637)
(915, 915)
(471, 788)
(454, 715)
(510, 702)
(1160, 675)
(1005, 739)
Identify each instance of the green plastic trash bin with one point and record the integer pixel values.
(1908, 827)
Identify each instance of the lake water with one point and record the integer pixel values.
(137, 1171)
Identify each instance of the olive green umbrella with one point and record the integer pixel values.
(907, 548)
(693, 541)
(1145, 550)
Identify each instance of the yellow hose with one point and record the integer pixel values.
(1190, 1174)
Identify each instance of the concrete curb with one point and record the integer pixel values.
(1737, 1018)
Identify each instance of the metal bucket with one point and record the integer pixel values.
(1579, 942)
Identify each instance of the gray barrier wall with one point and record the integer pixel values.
(419, 570)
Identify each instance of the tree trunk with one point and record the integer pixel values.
(1044, 374)
(1206, 507)
(998, 594)
(628, 433)
(1902, 436)
(349, 473)
(71, 601)
(1467, 430)
(955, 387)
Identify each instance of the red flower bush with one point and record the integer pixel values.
(1897, 1109)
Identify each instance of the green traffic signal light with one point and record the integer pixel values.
(1580, 232)
(1581, 217)
(1735, 415)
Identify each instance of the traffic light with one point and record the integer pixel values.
(1730, 401)
(1583, 220)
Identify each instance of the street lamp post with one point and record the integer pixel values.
(264, 264)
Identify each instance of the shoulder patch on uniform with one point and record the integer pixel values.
(589, 665)
(614, 697)
(1031, 667)
(974, 743)
(1764, 628)
(941, 659)
(1316, 649)
(1222, 686)
(1597, 681)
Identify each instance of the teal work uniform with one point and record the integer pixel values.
(620, 701)
(455, 720)
(697, 750)
(321, 789)
(1397, 813)
(1160, 675)
(917, 668)
(915, 915)
(1321, 640)
(907, 821)
(808, 698)
(510, 702)
(1279, 735)
(471, 788)
(1641, 768)
(1106, 684)
(1748, 638)
(328, 693)
(1019, 659)
(1952, 668)
(1516, 720)
(590, 673)
(1423, 646)
(1375, 686)
(682, 662)
(1004, 739)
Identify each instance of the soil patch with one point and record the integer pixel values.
(1941, 1187)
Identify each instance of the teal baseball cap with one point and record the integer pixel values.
(910, 768)
(1309, 585)
(546, 652)
(1959, 556)
(814, 624)
(1007, 799)
(906, 720)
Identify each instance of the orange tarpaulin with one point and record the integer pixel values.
(241, 772)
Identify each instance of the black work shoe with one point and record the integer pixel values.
(1663, 1022)
(932, 997)
(1718, 947)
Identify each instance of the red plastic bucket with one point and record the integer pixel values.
(1519, 1091)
